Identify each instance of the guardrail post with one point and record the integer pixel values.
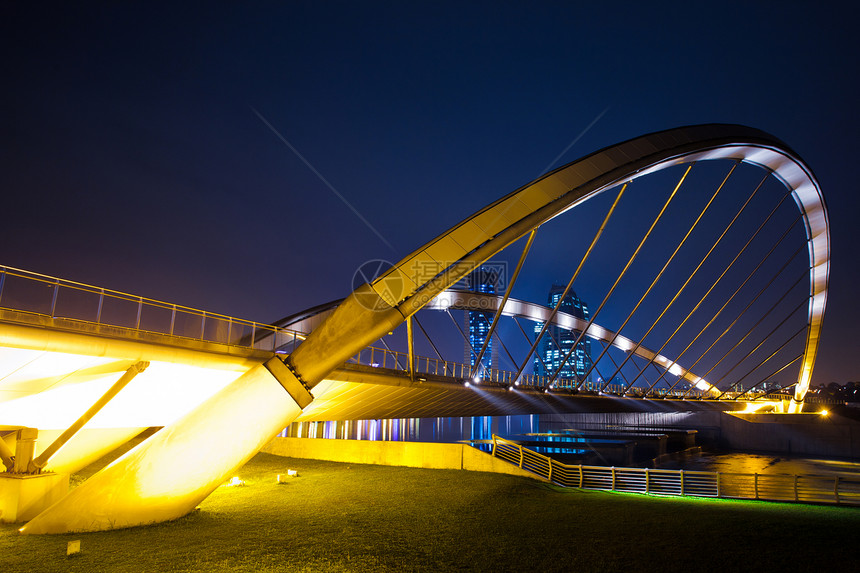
(139, 310)
(2, 283)
(253, 333)
(493, 453)
(613, 478)
(755, 484)
(647, 482)
(521, 455)
(203, 326)
(795, 487)
(172, 317)
(549, 474)
(836, 489)
(718, 485)
(580, 476)
(682, 483)
(230, 328)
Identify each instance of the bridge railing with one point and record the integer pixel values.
(395, 360)
(79, 304)
(770, 487)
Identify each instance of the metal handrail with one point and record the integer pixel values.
(770, 487)
(396, 360)
(84, 304)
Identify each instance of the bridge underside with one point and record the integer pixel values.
(356, 392)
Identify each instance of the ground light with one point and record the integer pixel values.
(284, 478)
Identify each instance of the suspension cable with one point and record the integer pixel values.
(623, 272)
(528, 340)
(393, 353)
(781, 388)
(694, 273)
(463, 334)
(609, 354)
(774, 373)
(760, 344)
(505, 300)
(723, 274)
(430, 340)
(576, 274)
(739, 342)
(660, 274)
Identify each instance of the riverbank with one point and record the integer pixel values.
(357, 517)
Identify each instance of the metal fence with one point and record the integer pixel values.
(387, 358)
(770, 487)
(76, 303)
(395, 360)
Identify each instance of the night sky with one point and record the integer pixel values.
(136, 153)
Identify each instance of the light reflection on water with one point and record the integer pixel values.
(481, 429)
(738, 462)
(446, 430)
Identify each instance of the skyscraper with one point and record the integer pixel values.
(484, 279)
(550, 353)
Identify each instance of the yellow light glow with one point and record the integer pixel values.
(234, 481)
(761, 407)
(157, 397)
(824, 412)
(169, 474)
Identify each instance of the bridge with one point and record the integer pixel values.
(91, 367)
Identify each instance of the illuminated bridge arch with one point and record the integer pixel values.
(204, 446)
(375, 309)
(477, 301)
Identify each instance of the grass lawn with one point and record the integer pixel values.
(340, 517)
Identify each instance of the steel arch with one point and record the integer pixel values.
(477, 301)
(375, 309)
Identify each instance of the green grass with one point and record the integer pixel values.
(340, 517)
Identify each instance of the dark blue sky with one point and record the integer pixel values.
(132, 158)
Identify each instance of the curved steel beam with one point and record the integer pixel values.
(374, 309)
(476, 301)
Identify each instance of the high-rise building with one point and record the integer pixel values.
(484, 279)
(552, 354)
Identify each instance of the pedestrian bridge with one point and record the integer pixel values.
(78, 359)
(65, 344)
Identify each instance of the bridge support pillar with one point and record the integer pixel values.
(410, 344)
(169, 474)
(24, 496)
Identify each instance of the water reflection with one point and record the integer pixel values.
(568, 439)
(547, 435)
(738, 462)
(446, 430)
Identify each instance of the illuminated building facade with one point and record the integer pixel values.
(549, 354)
(485, 279)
